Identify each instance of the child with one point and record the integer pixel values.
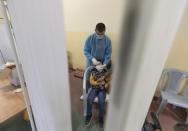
(99, 80)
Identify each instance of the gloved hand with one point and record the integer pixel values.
(100, 67)
(95, 62)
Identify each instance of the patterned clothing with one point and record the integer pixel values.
(95, 75)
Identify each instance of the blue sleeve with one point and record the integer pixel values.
(108, 52)
(87, 49)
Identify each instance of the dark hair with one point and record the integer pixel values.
(100, 27)
(109, 65)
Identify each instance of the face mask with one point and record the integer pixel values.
(99, 36)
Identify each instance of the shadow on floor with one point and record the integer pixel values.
(78, 123)
(19, 124)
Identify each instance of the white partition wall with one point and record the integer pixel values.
(39, 31)
(147, 35)
(5, 46)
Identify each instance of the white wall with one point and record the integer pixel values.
(183, 29)
(5, 43)
(82, 15)
(1, 59)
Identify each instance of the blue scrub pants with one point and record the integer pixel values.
(101, 100)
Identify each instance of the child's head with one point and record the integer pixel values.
(100, 62)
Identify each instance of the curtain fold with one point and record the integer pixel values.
(40, 42)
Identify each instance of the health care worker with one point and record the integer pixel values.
(98, 47)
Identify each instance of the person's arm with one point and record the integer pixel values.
(87, 49)
(106, 85)
(107, 79)
(108, 73)
(93, 82)
(101, 79)
(108, 52)
(107, 82)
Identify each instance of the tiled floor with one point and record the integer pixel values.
(10, 103)
(168, 118)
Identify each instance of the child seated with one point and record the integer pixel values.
(99, 81)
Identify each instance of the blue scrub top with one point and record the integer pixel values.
(100, 49)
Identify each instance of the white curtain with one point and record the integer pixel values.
(147, 35)
(39, 31)
(1, 58)
(5, 45)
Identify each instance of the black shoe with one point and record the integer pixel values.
(88, 119)
(101, 123)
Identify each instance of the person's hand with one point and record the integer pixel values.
(102, 82)
(95, 62)
(110, 82)
(100, 79)
(100, 67)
